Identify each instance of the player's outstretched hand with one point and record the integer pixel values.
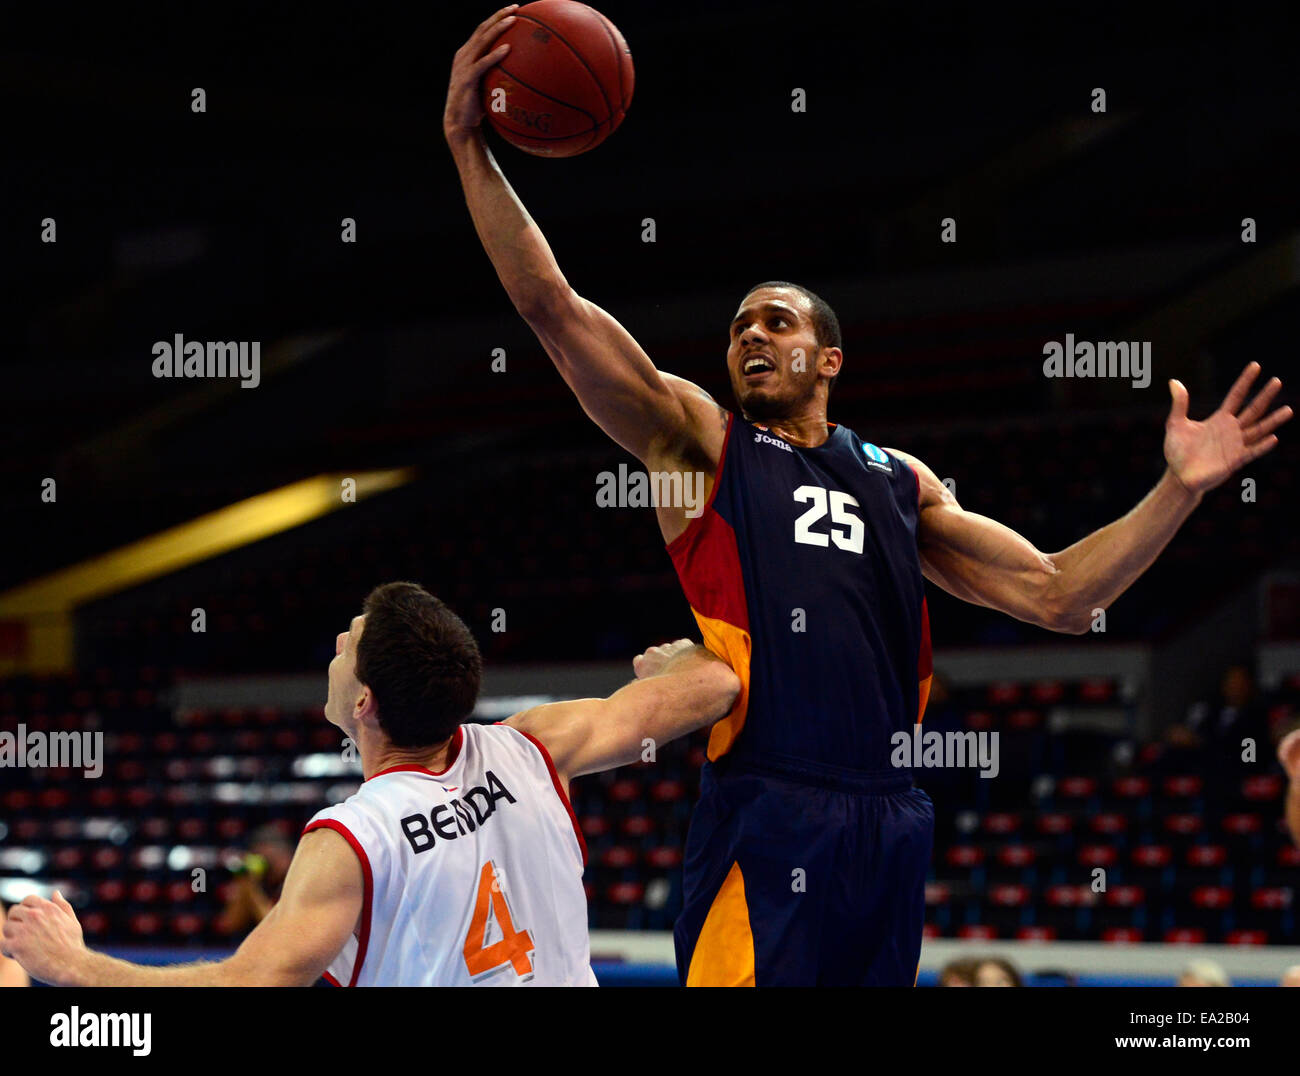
(1288, 753)
(1204, 454)
(464, 110)
(45, 938)
(654, 659)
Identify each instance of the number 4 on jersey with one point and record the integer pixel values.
(512, 947)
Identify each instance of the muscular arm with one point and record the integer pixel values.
(655, 417)
(292, 946)
(981, 561)
(691, 691)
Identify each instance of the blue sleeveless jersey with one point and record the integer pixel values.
(803, 574)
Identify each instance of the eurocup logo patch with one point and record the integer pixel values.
(877, 459)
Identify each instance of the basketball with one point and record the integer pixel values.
(566, 83)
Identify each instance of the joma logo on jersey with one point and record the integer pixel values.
(455, 819)
(763, 439)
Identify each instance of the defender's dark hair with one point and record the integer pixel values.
(826, 326)
(421, 663)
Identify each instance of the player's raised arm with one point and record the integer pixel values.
(656, 418)
(981, 561)
(679, 688)
(317, 911)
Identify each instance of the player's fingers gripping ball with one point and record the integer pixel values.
(566, 83)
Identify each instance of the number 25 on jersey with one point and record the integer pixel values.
(850, 539)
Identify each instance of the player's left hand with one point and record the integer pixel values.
(45, 938)
(1204, 454)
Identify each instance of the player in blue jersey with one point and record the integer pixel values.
(807, 853)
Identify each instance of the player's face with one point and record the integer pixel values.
(772, 354)
(344, 687)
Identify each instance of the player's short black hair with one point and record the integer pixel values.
(421, 663)
(826, 326)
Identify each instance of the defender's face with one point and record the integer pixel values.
(772, 355)
(344, 687)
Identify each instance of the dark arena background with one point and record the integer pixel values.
(963, 185)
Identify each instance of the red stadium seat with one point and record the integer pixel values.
(1184, 936)
(1009, 896)
(111, 891)
(637, 825)
(1121, 935)
(1001, 822)
(1130, 788)
(1182, 787)
(977, 931)
(618, 857)
(666, 857)
(1097, 691)
(145, 924)
(1108, 822)
(625, 893)
(1264, 788)
(1054, 823)
(1036, 934)
(623, 791)
(146, 892)
(1017, 855)
(1076, 788)
(1004, 694)
(1047, 692)
(594, 825)
(1125, 896)
(1097, 855)
(1247, 937)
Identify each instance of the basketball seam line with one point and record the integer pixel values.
(618, 60)
(540, 93)
(582, 60)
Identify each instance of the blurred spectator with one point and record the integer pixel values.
(11, 973)
(995, 971)
(1203, 973)
(1288, 753)
(259, 877)
(1214, 729)
(958, 972)
(1290, 977)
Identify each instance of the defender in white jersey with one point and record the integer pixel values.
(459, 860)
(473, 873)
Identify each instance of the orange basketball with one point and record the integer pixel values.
(566, 82)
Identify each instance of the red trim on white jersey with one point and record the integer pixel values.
(329, 978)
(457, 742)
(564, 796)
(364, 938)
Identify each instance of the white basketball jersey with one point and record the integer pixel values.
(473, 876)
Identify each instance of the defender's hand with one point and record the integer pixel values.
(45, 938)
(653, 660)
(464, 110)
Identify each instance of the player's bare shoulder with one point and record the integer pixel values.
(933, 491)
(699, 444)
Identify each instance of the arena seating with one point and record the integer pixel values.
(1015, 857)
